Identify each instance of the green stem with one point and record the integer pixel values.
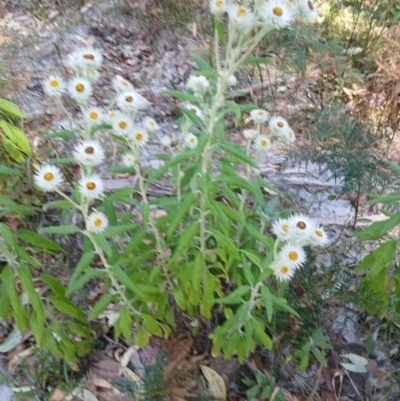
(79, 207)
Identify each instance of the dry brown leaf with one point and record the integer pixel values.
(97, 382)
(105, 369)
(127, 356)
(57, 395)
(216, 383)
(328, 395)
(373, 369)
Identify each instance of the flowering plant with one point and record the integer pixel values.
(205, 249)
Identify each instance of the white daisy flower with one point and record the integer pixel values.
(122, 125)
(262, 142)
(91, 187)
(96, 222)
(307, 10)
(278, 125)
(139, 136)
(292, 255)
(281, 228)
(91, 59)
(54, 86)
(241, 16)
(80, 89)
(250, 134)
(128, 159)
(282, 271)
(48, 178)
(89, 153)
(232, 80)
(218, 7)
(93, 115)
(121, 84)
(319, 237)
(150, 125)
(74, 61)
(110, 116)
(289, 135)
(131, 101)
(302, 227)
(194, 109)
(166, 141)
(276, 13)
(191, 141)
(92, 75)
(198, 84)
(259, 116)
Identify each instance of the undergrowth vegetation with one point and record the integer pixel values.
(216, 254)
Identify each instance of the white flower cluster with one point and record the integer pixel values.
(297, 231)
(272, 14)
(279, 130)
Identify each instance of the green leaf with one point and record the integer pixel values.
(13, 151)
(55, 284)
(379, 228)
(35, 239)
(58, 204)
(207, 73)
(25, 277)
(237, 181)
(11, 109)
(64, 134)
(17, 309)
(100, 306)
(64, 305)
(235, 297)
(24, 255)
(258, 60)
(261, 334)
(237, 152)
(60, 230)
(186, 239)
(118, 230)
(391, 198)
(152, 325)
(220, 29)
(38, 328)
(226, 243)
(281, 303)
(4, 170)
(201, 63)
(62, 161)
(125, 280)
(193, 117)
(124, 323)
(16, 136)
(8, 236)
(180, 212)
(267, 300)
(182, 96)
(14, 207)
(84, 262)
(233, 106)
(121, 170)
(89, 275)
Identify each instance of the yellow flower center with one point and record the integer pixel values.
(122, 125)
(139, 136)
(290, 134)
(48, 176)
(111, 115)
(277, 11)
(193, 110)
(80, 88)
(191, 140)
(151, 123)
(88, 56)
(263, 143)
(219, 3)
(124, 83)
(242, 12)
(285, 228)
(260, 113)
(129, 99)
(98, 222)
(90, 185)
(54, 83)
(284, 270)
(293, 255)
(89, 150)
(311, 5)
(93, 115)
(280, 124)
(301, 225)
(319, 233)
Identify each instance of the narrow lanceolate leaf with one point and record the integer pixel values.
(262, 336)
(194, 118)
(16, 136)
(35, 239)
(236, 296)
(118, 230)
(8, 236)
(124, 323)
(100, 306)
(226, 243)
(64, 134)
(180, 213)
(124, 279)
(64, 305)
(25, 277)
(182, 96)
(201, 63)
(237, 152)
(60, 230)
(84, 262)
(14, 207)
(11, 109)
(4, 170)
